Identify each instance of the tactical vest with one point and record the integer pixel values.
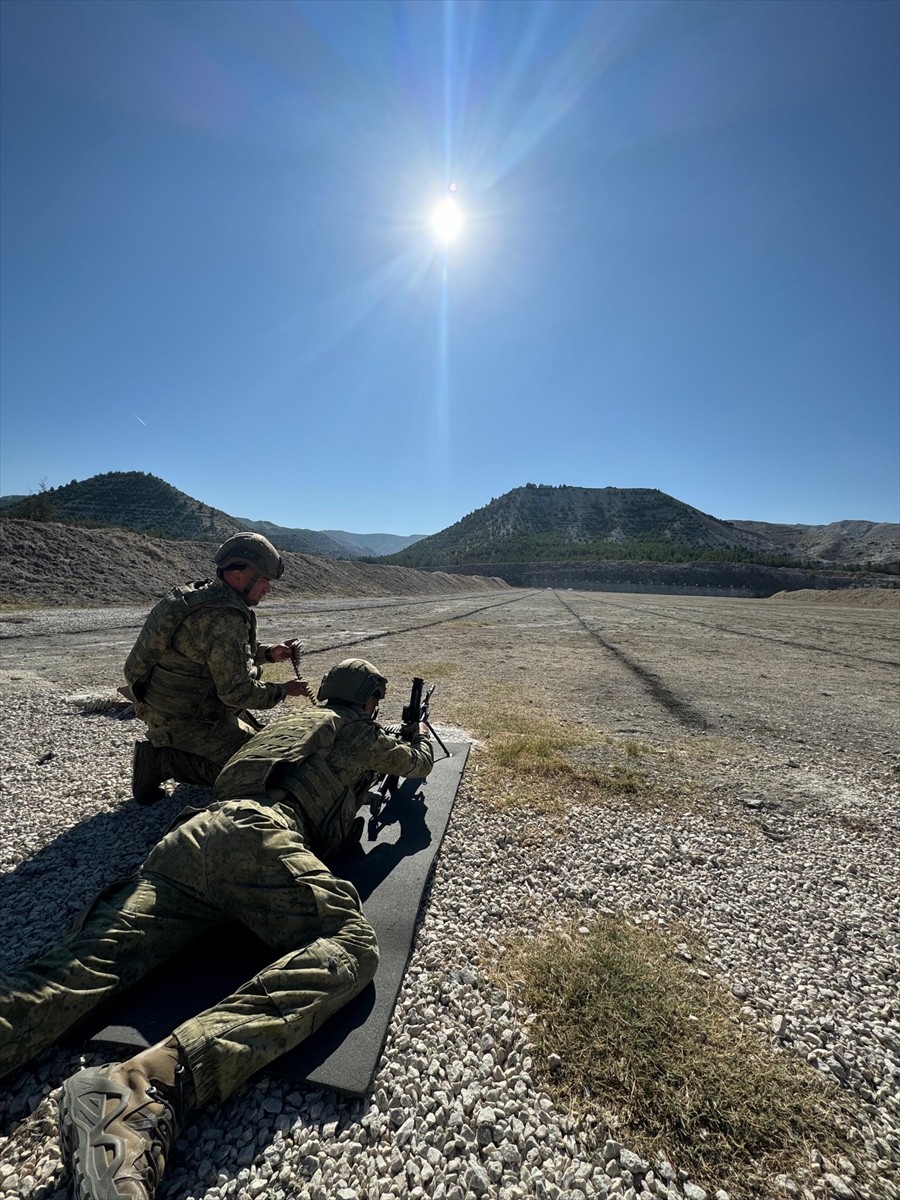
(291, 756)
(180, 686)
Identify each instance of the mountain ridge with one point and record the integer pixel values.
(532, 523)
(374, 543)
(838, 541)
(542, 522)
(144, 503)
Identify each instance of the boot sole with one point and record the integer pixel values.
(149, 793)
(92, 1154)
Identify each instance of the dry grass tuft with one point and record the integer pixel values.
(401, 674)
(529, 757)
(642, 1037)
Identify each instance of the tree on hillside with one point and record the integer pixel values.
(38, 506)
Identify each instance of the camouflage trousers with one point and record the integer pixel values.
(192, 750)
(242, 861)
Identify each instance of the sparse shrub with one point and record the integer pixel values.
(641, 1035)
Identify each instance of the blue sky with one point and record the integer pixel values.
(677, 265)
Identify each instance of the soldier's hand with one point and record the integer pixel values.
(282, 652)
(299, 687)
(413, 729)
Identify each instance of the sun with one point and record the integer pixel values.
(446, 220)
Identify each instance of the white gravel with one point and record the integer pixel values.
(804, 930)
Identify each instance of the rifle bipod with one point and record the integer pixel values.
(416, 712)
(428, 725)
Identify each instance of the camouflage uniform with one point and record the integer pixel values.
(194, 668)
(254, 856)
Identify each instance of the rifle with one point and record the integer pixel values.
(414, 713)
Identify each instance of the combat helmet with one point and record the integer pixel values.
(252, 549)
(354, 680)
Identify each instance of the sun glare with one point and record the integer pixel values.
(446, 220)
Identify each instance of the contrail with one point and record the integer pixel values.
(137, 418)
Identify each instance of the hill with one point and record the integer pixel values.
(841, 541)
(544, 523)
(142, 502)
(531, 524)
(373, 543)
(303, 541)
(46, 564)
(540, 523)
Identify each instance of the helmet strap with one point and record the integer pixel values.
(245, 591)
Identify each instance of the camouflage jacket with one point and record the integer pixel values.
(198, 655)
(312, 760)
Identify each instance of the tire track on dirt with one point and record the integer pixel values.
(829, 621)
(680, 708)
(271, 611)
(373, 637)
(363, 604)
(744, 633)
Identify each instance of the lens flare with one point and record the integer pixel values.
(446, 220)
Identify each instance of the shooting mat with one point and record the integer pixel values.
(390, 874)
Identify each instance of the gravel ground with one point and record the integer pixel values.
(783, 720)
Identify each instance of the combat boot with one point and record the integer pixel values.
(146, 774)
(117, 1123)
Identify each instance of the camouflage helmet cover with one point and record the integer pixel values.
(354, 680)
(250, 548)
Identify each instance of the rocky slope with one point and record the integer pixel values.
(49, 564)
(841, 541)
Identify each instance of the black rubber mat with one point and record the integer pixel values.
(390, 874)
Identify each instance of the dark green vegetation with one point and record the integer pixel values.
(541, 523)
(547, 547)
(128, 499)
(641, 1034)
(142, 502)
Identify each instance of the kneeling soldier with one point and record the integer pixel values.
(284, 802)
(195, 670)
